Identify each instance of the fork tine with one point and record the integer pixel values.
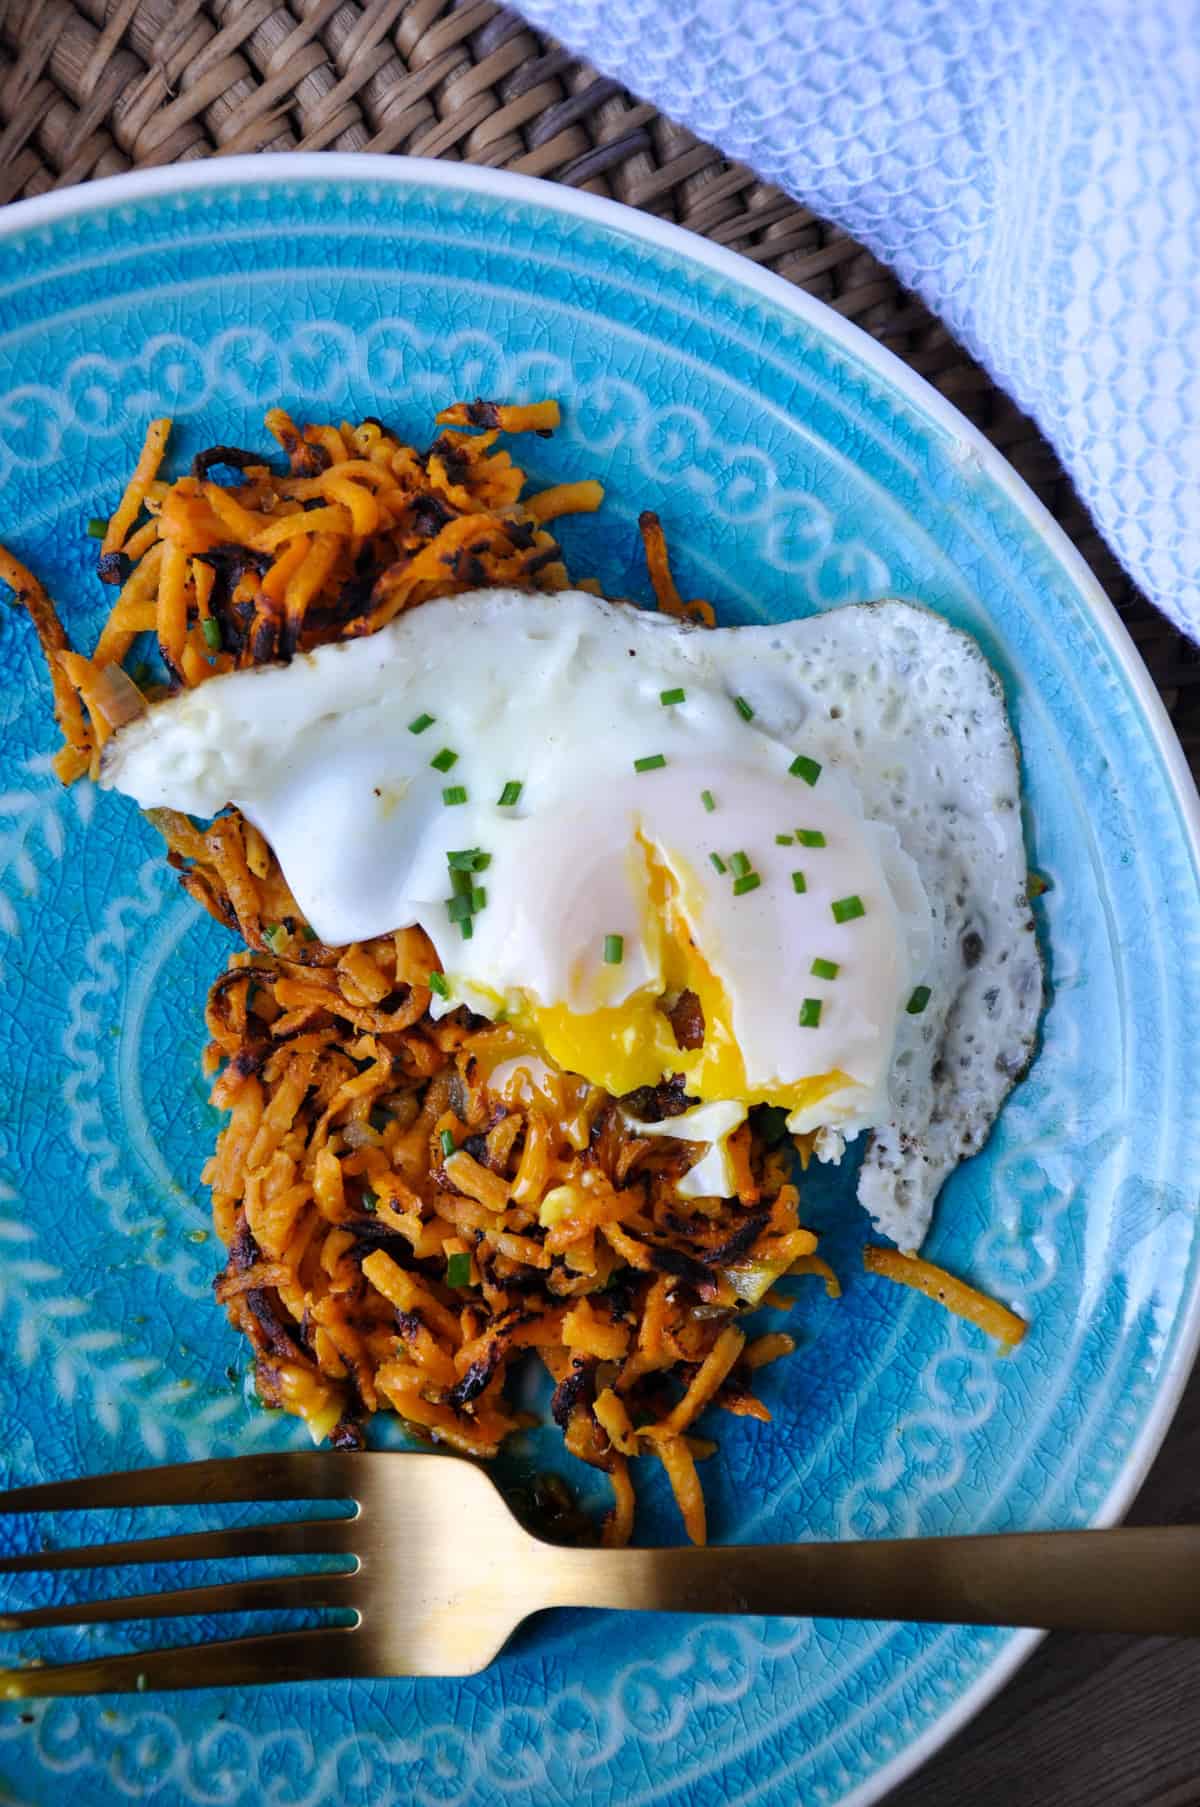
(297, 1537)
(277, 1656)
(269, 1593)
(272, 1474)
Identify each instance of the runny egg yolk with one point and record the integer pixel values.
(632, 1044)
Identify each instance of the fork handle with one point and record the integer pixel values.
(1140, 1580)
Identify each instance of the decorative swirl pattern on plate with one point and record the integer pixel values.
(793, 472)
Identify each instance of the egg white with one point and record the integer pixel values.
(917, 798)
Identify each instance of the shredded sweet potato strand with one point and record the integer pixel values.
(680, 1464)
(659, 565)
(144, 473)
(957, 1297)
(53, 638)
(813, 1264)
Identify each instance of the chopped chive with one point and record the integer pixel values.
(509, 795)
(799, 882)
(824, 969)
(482, 862)
(667, 697)
(460, 882)
(810, 1013)
(739, 865)
(449, 1145)
(749, 881)
(467, 859)
(804, 767)
(718, 862)
(918, 1001)
(275, 936)
(310, 934)
(709, 802)
(846, 909)
(810, 837)
(211, 629)
(419, 725)
(97, 527)
(783, 840)
(466, 927)
(651, 763)
(370, 1200)
(743, 708)
(458, 1269)
(441, 762)
(438, 982)
(454, 793)
(614, 950)
(459, 908)
(478, 899)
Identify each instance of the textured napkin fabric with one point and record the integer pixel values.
(1030, 167)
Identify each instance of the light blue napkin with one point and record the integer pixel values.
(1030, 167)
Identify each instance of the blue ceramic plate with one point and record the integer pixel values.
(795, 466)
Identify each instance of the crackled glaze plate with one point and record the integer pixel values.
(795, 466)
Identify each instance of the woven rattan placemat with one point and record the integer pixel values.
(93, 87)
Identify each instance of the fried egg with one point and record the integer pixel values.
(783, 862)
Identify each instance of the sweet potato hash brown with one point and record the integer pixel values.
(401, 1229)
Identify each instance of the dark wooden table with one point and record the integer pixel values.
(1091, 1721)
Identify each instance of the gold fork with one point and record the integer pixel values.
(442, 1574)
